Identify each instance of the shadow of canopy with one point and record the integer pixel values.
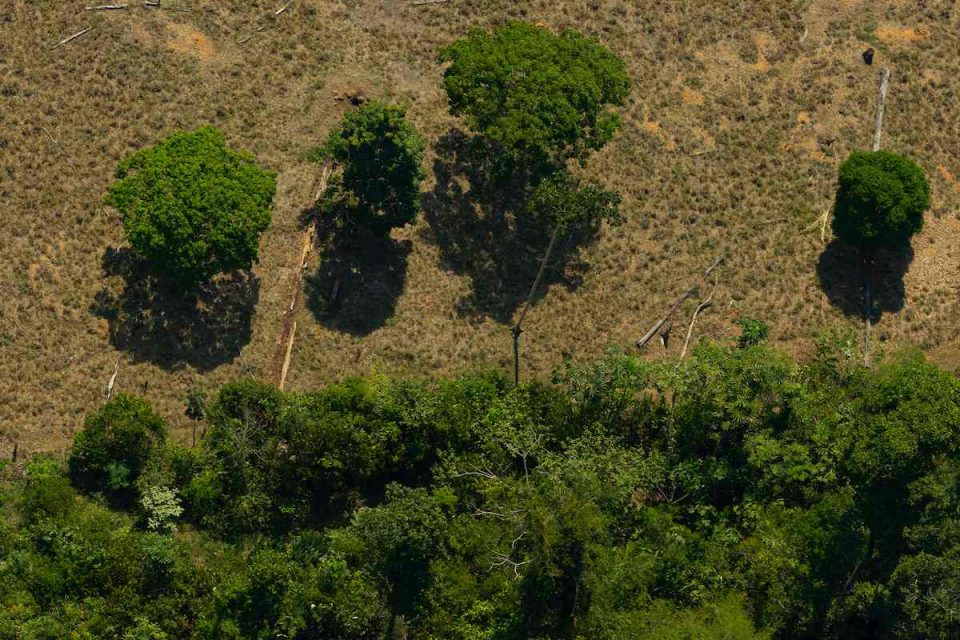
(358, 282)
(840, 274)
(154, 321)
(476, 220)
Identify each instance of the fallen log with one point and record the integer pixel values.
(689, 293)
(71, 38)
(700, 307)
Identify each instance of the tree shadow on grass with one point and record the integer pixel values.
(155, 321)
(473, 220)
(840, 273)
(360, 278)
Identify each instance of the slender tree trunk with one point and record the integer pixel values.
(516, 354)
(518, 327)
(868, 253)
(867, 266)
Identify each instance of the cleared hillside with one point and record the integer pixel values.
(739, 115)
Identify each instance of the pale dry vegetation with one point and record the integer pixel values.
(739, 115)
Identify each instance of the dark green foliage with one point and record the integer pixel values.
(752, 332)
(881, 200)
(538, 97)
(195, 404)
(381, 154)
(193, 207)
(739, 495)
(114, 445)
(47, 491)
(562, 202)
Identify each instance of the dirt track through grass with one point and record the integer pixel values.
(277, 372)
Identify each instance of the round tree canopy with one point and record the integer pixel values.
(193, 207)
(542, 97)
(382, 158)
(881, 199)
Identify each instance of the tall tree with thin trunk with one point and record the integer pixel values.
(564, 204)
(880, 203)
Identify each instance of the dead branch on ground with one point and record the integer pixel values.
(108, 390)
(689, 293)
(71, 38)
(701, 307)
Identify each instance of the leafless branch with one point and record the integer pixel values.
(501, 560)
(701, 307)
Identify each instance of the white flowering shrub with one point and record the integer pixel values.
(161, 506)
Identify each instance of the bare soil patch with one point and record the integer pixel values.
(901, 35)
(187, 39)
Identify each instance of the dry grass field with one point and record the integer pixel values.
(740, 112)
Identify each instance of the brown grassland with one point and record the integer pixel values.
(740, 112)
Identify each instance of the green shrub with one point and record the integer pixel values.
(161, 508)
(114, 445)
(752, 332)
(47, 491)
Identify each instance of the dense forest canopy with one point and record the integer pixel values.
(736, 495)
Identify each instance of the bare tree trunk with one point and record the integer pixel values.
(867, 253)
(701, 307)
(518, 327)
(516, 355)
(867, 265)
(884, 83)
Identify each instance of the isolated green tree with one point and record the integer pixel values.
(880, 203)
(114, 445)
(192, 206)
(382, 158)
(880, 200)
(541, 98)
